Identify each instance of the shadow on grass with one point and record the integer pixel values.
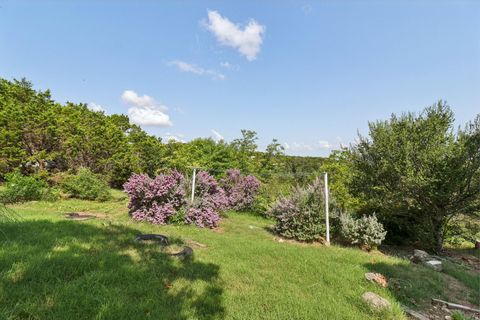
(411, 285)
(74, 270)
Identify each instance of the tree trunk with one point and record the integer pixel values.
(438, 234)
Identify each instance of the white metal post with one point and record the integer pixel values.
(193, 183)
(327, 222)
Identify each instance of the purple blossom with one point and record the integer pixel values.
(210, 199)
(204, 217)
(240, 190)
(155, 200)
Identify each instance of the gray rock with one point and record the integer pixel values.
(419, 256)
(375, 301)
(434, 264)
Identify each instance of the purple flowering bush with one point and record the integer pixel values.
(155, 200)
(163, 199)
(241, 191)
(210, 199)
(300, 215)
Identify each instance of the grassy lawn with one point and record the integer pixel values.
(51, 268)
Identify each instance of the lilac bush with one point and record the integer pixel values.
(204, 217)
(210, 199)
(155, 200)
(240, 190)
(163, 199)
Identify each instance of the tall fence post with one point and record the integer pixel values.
(327, 222)
(193, 183)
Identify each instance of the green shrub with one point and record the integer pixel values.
(86, 185)
(300, 215)
(462, 230)
(366, 232)
(458, 315)
(20, 188)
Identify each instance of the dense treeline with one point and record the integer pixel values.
(415, 172)
(40, 136)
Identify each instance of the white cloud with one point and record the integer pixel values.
(188, 67)
(216, 135)
(132, 98)
(95, 107)
(168, 137)
(323, 144)
(300, 147)
(229, 66)
(145, 110)
(247, 41)
(296, 146)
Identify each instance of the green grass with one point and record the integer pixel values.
(469, 279)
(51, 268)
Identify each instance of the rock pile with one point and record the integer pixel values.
(422, 257)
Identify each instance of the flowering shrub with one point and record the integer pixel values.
(163, 199)
(240, 190)
(155, 200)
(210, 199)
(367, 231)
(204, 217)
(300, 215)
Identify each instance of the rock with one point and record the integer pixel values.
(419, 256)
(477, 244)
(375, 301)
(448, 318)
(377, 277)
(434, 264)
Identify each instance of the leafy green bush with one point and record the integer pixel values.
(366, 232)
(86, 185)
(300, 215)
(458, 315)
(20, 188)
(462, 230)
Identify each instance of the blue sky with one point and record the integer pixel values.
(310, 74)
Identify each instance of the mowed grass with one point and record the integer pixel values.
(51, 268)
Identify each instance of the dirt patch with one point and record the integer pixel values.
(456, 292)
(437, 311)
(469, 261)
(195, 244)
(79, 216)
(85, 215)
(318, 243)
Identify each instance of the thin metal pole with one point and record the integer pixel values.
(327, 222)
(193, 183)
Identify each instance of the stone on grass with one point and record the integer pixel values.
(377, 278)
(434, 264)
(419, 256)
(375, 301)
